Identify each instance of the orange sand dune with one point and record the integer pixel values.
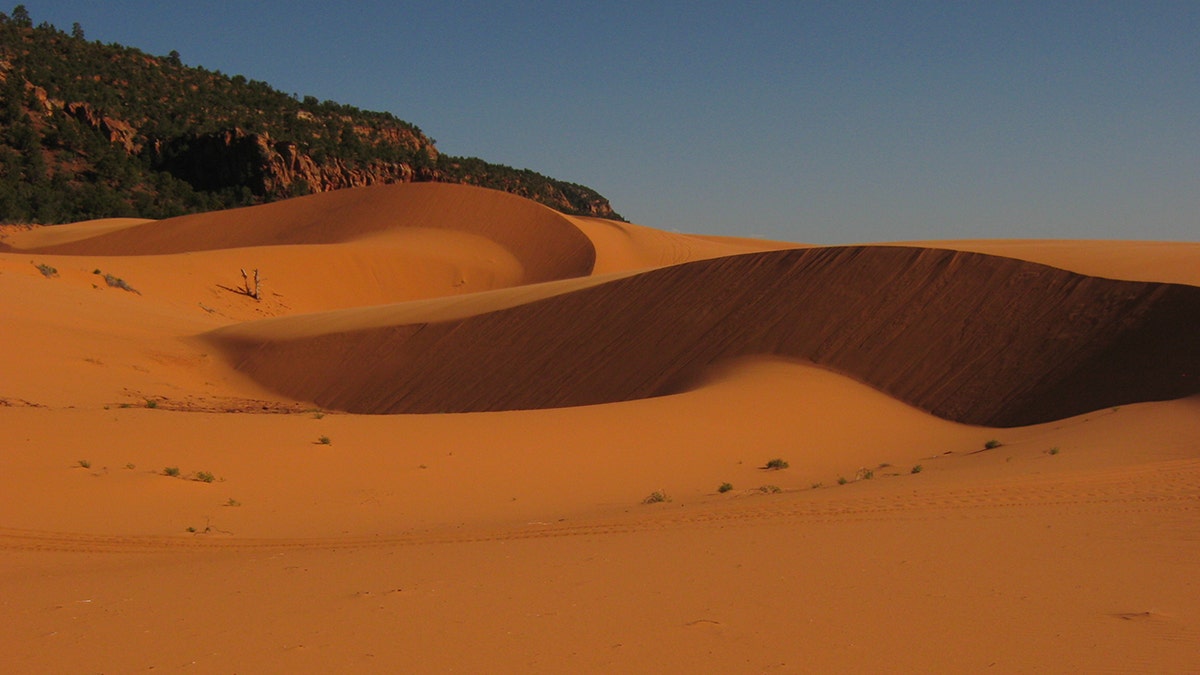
(523, 530)
(624, 246)
(1176, 262)
(546, 244)
(387, 245)
(972, 338)
(518, 540)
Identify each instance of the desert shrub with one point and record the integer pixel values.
(205, 477)
(47, 271)
(725, 487)
(85, 464)
(656, 497)
(172, 471)
(117, 282)
(917, 469)
(770, 489)
(1054, 450)
(776, 464)
(324, 440)
(992, 444)
(842, 480)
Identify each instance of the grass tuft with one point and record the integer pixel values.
(324, 440)
(776, 464)
(172, 471)
(205, 477)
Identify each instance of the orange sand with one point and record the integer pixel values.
(517, 540)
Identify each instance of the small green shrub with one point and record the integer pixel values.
(770, 489)
(656, 497)
(131, 466)
(776, 464)
(324, 440)
(151, 403)
(725, 487)
(47, 271)
(1054, 450)
(205, 477)
(842, 480)
(85, 464)
(172, 471)
(917, 469)
(864, 474)
(992, 444)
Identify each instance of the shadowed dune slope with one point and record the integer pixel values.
(1176, 262)
(969, 337)
(546, 243)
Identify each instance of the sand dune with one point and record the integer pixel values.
(972, 338)
(612, 361)
(1176, 262)
(545, 243)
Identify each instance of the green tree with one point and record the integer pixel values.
(20, 17)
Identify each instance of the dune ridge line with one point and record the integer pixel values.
(970, 337)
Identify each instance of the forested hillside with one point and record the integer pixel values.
(91, 130)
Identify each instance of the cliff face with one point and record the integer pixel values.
(269, 168)
(90, 130)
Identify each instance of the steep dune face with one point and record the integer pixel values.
(970, 337)
(546, 243)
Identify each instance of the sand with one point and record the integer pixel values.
(358, 520)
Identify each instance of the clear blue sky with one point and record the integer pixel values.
(826, 122)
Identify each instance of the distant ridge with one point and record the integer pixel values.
(972, 338)
(90, 131)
